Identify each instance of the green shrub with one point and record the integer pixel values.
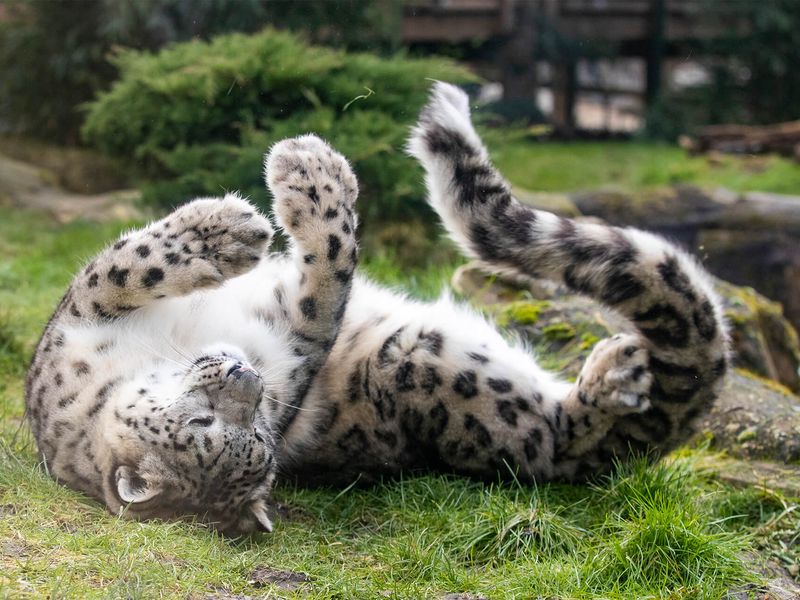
(199, 115)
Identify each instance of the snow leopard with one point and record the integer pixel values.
(188, 368)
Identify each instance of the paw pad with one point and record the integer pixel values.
(616, 374)
(309, 182)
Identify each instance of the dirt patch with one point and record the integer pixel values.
(285, 580)
(222, 594)
(15, 549)
(778, 585)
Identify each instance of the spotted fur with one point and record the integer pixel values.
(184, 370)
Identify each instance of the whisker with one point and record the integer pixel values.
(141, 341)
(181, 352)
(276, 401)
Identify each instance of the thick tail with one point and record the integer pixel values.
(660, 289)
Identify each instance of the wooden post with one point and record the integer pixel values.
(564, 96)
(518, 54)
(655, 50)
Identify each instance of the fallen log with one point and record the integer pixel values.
(780, 138)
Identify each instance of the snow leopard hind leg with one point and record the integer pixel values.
(680, 345)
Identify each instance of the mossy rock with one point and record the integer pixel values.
(562, 331)
(657, 207)
(764, 342)
(76, 170)
(756, 416)
(752, 473)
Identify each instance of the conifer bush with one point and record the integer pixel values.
(198, 116)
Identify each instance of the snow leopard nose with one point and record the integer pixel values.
(242, 390)
(238, 370)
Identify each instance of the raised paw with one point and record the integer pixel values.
(616, 377)
(214, 239)
(311, 184)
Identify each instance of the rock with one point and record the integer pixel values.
(76, 170)
(765, 343)
(754, 473)
(26, 186)
(763, 340)
(560, 204)
(778, 584)
(766, 260)
(749, 239)
(756, 418)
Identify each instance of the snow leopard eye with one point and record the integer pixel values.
(259, 437)
(201, 421)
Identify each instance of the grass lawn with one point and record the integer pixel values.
(632, 166)
(664, 531)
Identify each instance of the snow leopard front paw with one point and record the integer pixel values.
(214, 239)
(314, 188)
(616, 378)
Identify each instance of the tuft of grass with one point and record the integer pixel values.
(641, 484)
(659, 536)
(672, 548)
(508, 529)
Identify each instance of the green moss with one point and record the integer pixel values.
(770, 383)
(588, 340)
(746, 435)
(738, 318)
(559, 332)
(748, 298)
(522, 312)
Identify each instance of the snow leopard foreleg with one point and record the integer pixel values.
(314, 193)
(199, 245)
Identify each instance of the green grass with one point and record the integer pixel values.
(663, 531)
(632, 166)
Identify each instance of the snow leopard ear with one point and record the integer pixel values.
(133, 488)
(259, 508)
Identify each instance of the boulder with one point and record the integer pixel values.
(750, 238)
(764, 342)
(23, 185)
(755, 417)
